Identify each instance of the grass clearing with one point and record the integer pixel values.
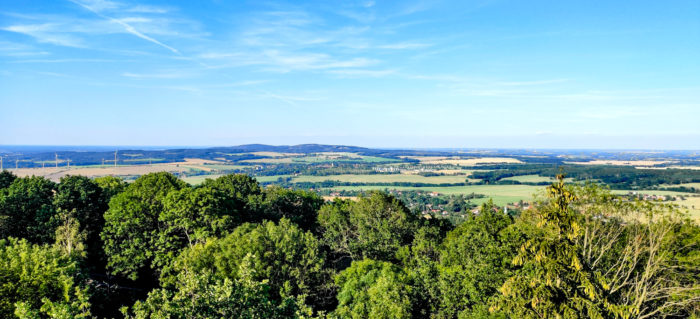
(529, 179)
(196, 180)
(268, 179)
(688, 185)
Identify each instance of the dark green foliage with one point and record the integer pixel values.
(474, 262)
(298, 206)
(132, 223)
(84, 200)
(373, 289)
(27, 211)
(190, 216)
(375, 226)
(242, 194)
(203, 295)
(110, 186)
(39, 281)
(6, 178)
(283, 254)
(617, 177)
(420, 262)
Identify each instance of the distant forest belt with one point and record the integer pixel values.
(384, 178)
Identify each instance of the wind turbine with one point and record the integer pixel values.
(0, 162)
(115, 158)
(56, 159)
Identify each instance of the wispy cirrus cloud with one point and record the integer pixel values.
(146, 22)
(287, 39)
(46, 33)
(20, 50)
(97, 6)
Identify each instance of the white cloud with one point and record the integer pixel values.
(148, 9)
(127, 27)
(45, 33)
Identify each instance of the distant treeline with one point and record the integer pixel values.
(617, 177)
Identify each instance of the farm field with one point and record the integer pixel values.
(266, 179)
(463, 161)
(55, 173)
(384, 178)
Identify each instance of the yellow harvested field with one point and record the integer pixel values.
(271, 160)
(55, 174)
(621, 163)
(464, 161)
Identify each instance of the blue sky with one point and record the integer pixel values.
(524, 74)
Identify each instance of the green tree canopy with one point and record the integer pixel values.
(27, 211)
(555, 281)
(475, 260)
(242, 193)
(283, 254)
(83, 199)
(298, 206)
(39, 281)
(373, 289)
(6, 178)
(204, 295)
(110, 186)
(190, 216)
(375, 226)
(132, 224)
